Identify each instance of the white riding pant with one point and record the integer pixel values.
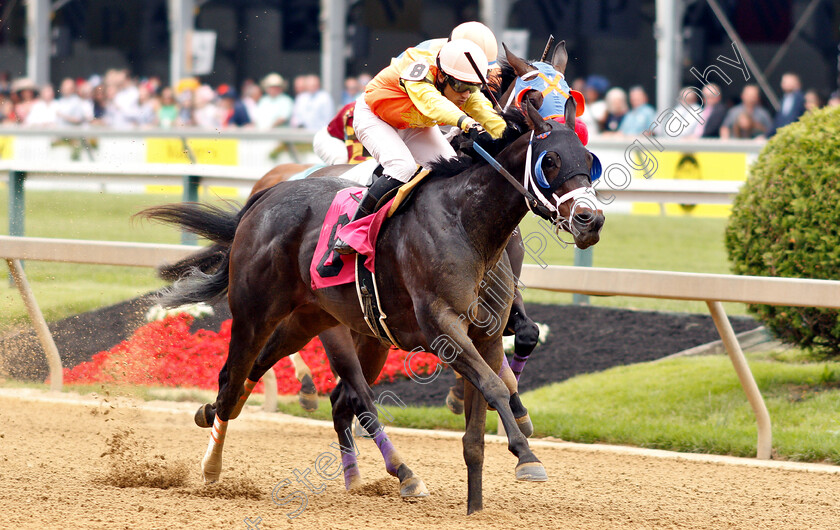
(328, 148)
(398, 150)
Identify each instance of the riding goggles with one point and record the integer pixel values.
(462, 86)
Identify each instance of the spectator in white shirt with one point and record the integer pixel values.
(275, 107)
(43, 113)
(71, 109)
(313, 107)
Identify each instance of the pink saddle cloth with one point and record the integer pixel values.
(329, 268)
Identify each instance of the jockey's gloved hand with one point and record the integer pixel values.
(477, 133)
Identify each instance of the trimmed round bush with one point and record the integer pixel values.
(785, 223)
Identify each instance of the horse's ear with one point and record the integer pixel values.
(535, 122)
(560, 57)
(520, 66)
(571, 112)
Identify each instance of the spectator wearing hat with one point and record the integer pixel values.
(233, 111)
(595, 113)
(275, 107)
(25, 92)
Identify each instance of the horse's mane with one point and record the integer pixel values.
(516, 126)
(507, 77)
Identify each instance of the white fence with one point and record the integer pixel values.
(711, 288)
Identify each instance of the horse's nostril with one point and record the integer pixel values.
(584, 217)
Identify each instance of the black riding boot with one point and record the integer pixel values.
(367, 205)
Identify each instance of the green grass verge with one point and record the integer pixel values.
(691, 404)
(688, 404)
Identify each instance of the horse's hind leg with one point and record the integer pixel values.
(308, 394)
(279, 345)
(348, 365)
(342, 414)
(247, 335)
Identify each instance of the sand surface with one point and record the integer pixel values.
(84, 462)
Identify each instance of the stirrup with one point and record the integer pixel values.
(340, 247)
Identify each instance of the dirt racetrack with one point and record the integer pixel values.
(62, 458)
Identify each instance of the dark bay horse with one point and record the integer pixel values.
(519, 324)
(432, 261)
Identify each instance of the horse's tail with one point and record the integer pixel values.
(213, 223)
(210, 222)
(198, 286)
(206, 260)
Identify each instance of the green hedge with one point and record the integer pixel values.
(785, 223)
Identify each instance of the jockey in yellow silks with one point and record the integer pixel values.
(397, 117)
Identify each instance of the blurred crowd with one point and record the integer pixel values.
(119, 100)
(612, 111)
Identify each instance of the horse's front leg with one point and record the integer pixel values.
(475, 414)
(525, 331)
(447, 335)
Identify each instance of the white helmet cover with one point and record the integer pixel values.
(481, 35)
(452, 59)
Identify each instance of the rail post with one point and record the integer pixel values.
(736, 355)
(44, 335)
(17, 207)
(583, 258)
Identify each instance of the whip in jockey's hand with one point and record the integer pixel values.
(397, 117)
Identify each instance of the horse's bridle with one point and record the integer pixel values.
(537, 201)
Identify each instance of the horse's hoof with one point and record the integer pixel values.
(308, 395)
(201, 416)
(453, 403)
(531, 472)
(353, 482)
(309, 402)
(211, 471)
(525, 425)
(413, 487)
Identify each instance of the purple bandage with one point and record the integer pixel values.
(351, 467)
(517, 364)
(387, 449)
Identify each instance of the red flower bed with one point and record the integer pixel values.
(165, 353)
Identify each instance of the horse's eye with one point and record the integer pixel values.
(550, 161)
